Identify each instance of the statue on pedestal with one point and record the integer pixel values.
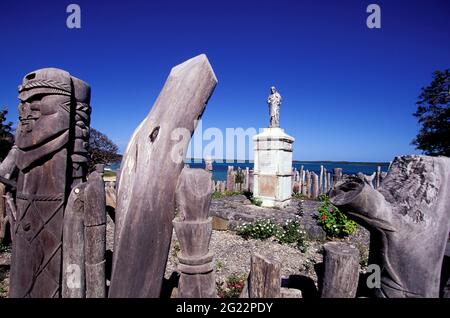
(274, 101)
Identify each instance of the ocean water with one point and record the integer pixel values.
(220, 169)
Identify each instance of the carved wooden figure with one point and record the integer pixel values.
(84, 239)
(409, 220)
(148, 176)
(51, 142)
(193, 229)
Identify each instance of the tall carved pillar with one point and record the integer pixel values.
(47, 155)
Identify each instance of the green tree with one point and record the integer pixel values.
(433, 114)
(102, 150)
(6, 134)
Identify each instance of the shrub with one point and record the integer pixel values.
(289, 233)
(334, 222)
(233, 286)
(218, 195)
(260, 229)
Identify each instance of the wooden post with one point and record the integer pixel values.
(314, 185)
(230, 178)
(265, 277)
(95, 234)
(330, 185)
(300, 179)
(321, 180)
(250, 181)
(303, 189)
(84, 240)
(193, 231)
(308, 184)
(341, 270)
(246, 179)
(378, 180)
(337, 175)
(325, 181)
(150, 169)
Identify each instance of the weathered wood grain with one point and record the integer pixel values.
(149, 173)
(341, 270)
(265, 277)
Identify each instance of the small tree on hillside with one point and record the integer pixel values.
(102, 150)
(433, 114)
(6, 134)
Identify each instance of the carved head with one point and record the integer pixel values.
(44, 110)
(273, 90)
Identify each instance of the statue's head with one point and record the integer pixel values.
(273, 90)
(51, 100)
(44, 110)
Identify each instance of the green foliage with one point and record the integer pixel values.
(6, 134)
(334, 222)
(218, 194)
(262, 229)
(102, 150)
(239, 176)
(291, 233)
(232, 287)
(5, 247)
(363, 253)
(108, 173)
(433, 114)
(256, 201)
(300, 196)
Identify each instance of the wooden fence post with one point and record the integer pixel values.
(341, 270)
(265, 277)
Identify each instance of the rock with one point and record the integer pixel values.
(290, 293)
(220, 224)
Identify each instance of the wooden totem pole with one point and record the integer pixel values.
(409, 220)
(51, 157)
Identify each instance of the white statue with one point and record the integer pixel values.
(274, 101)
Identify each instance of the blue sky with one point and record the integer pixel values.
(348, 91)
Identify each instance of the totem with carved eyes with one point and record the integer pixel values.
(51, 155)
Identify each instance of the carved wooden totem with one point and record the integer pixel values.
(409, 220)
(51, 139)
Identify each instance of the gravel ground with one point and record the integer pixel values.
(233, 253)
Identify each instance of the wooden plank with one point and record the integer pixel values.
(150, 168)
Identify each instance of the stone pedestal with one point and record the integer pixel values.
(273, 167)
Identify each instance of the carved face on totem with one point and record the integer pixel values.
(44, 109)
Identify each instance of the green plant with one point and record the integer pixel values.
(5, 248)
(219, 265)
(176, 249)
(239, 176)
(291, 233)
(334, 222)
(232, 287)
(218, 195)
(299, 195)
(363, 254)
(260, 229)
(256, 201)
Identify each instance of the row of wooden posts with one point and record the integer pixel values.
(305, 182)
